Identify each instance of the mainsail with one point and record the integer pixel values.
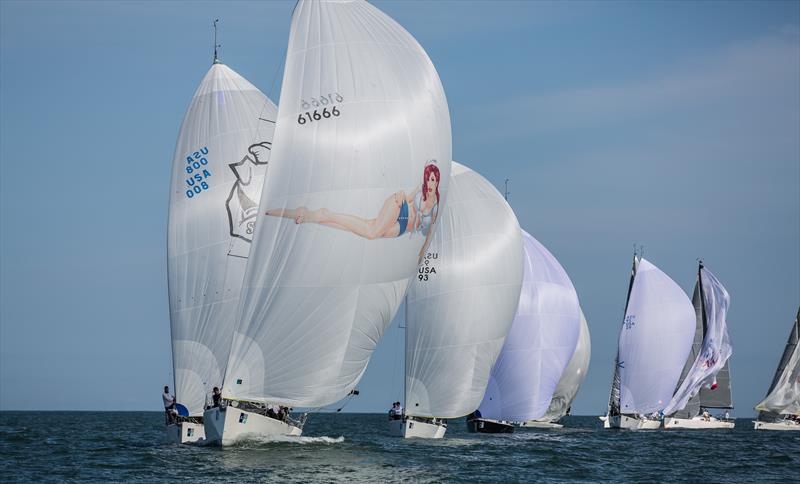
(540, 344)
(655, 339)
(613, 397)
(462, 303)
(783, 397)
(357, 179)
(572, 378)
(217, 173)
(710, 301)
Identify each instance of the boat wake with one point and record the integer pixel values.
(303, 440)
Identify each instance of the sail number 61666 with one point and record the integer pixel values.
(317, 115)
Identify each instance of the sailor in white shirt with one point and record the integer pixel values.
(169, 404)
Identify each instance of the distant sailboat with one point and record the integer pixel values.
(569, 384)
(539, 346)
(358, 175)
(780, 410)
(217, 173)
(705, 381)
(655, 339)
(460, 306)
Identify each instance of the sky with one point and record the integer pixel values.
(674, 125)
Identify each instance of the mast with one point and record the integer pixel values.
(405, 352)
(216, 57)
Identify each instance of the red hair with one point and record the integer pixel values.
(431, 168)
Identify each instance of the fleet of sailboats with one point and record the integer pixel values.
(281, 286)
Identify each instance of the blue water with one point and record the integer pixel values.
(130, 446)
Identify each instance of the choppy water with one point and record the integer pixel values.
(130, 446)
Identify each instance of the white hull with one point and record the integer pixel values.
(785, 425)
(630, 423)
(535, 424)
(409, 428)
(226, 427)
(697, 423)
(185, 432)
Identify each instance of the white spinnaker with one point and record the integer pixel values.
(654, 341)
(784, 395)
(217, 174)
(573, 376)
(463, 300)
(540, 343)
(716, 347)
(362, 117)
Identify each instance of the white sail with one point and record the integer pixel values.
(573, 376)
(463, 300)
(541, 341)
(784, 393)
(655, 339)
(217, 175)
(357, 179)
(716, 348)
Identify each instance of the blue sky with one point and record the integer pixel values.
(675, 125)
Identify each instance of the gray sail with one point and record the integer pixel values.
(613, 398)
(765, 414)
(692, 408)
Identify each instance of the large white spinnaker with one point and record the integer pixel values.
(541, 341)
(462, 302)
(655, 339)
(358, 176)
(716, 347)
(217, 175)
(573, 376)
(783, 397)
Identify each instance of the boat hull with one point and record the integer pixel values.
(489, 426)
(697, 423)
(226, 426)
(785, 425)
(185, 432)
(535, 424)
(629, 423)
(410, 428)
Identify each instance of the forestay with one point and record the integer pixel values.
(541, 342)
(217, 175)
(573, 376)
(715, 350)
(654, 341)
(463, 300)
(783, 397)
(358, 177)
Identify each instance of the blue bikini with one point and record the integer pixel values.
(402, 219)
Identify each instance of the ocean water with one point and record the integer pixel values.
(130, 446)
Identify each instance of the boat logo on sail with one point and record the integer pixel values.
(630, 321)
(242, 202)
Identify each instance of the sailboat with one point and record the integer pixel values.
(705, 381)
(217, 173)
(359, 171)
(538, 348)
(654, 342)
(568, 385)
(780, 410)
(460, 306)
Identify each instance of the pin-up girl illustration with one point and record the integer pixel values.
(402, 212)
